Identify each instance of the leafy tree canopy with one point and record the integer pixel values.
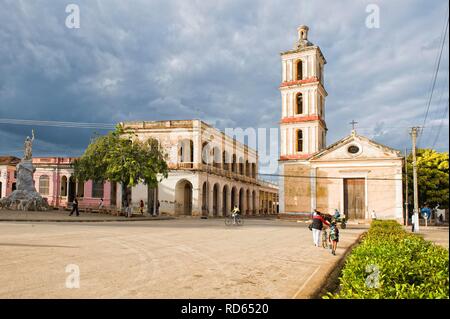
(121, 157)
(432, 178)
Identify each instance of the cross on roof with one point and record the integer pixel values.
(353, 123)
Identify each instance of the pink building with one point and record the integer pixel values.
(54, 180)
(8, 174)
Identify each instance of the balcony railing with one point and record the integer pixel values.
(213, 170)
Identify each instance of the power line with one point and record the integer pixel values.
(440, 125)
(330, 177)
(103, 126)
(435, 74)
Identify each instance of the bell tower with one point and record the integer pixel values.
(302, 127)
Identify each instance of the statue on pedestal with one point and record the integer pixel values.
(25, 196)
(28, 146)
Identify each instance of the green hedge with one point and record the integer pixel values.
(392, 263)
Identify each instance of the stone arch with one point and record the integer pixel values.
(299, 101)
(226, 160)
(183, 197)
(299, 140)
(72, 190)
(186, 151)
(298, 69)
(234, 197)
(248, 202)
(225, 194)
(216, 157)
(241, 203)
(254, 202)
(206, 153)
(216, 199)
(63, 186)
(241, 166)
(205, 199)
(247, 169)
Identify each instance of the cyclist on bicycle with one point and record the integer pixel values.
(235, 213)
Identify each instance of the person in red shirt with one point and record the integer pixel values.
(317, 226)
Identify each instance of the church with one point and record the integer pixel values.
(355, 175)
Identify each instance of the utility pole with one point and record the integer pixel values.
(414, 132)
(406, 189)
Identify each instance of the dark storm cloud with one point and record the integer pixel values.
(214, 60)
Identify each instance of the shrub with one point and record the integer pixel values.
(392, 263)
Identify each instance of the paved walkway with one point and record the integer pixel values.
(438, 235)
(63, 216)
(179, 258)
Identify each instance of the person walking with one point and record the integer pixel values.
(317, 226)
(141, 207)
(373, 215)
(129, 210)
(334, 237)
(75, 207)
(101, 205)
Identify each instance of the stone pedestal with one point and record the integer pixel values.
(25, 172)
(25, 197)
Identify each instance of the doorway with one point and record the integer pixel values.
(72, 189)
(183, 197)
(354, 198)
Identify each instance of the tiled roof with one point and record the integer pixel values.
(9, 160)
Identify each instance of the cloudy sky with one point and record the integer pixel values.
(218, 61)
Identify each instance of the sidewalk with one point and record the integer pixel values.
(437, 234)
(63, 216)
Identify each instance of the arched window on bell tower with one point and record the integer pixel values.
(299, 141)
(299, 103)
(299, 69)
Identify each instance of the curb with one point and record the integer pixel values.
(329, 278)
(82, 220)
(333, 274)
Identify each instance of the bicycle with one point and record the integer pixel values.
(236, 221)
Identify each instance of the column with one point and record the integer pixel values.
(210, 199)
(289, 70)
(313, 188)
(196, 198)
(306, 67)
(229, 202)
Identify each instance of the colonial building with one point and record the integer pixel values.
(355, 175)
(54, 180)
(8, 174)
(210, 172)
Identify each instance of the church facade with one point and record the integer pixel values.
(355, 175)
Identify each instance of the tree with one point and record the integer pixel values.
(121, 157)
(432, 178)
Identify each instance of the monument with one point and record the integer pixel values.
(25, 197)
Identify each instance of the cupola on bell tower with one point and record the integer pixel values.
(302, 128)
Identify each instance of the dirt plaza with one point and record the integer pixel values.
(179, 258)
